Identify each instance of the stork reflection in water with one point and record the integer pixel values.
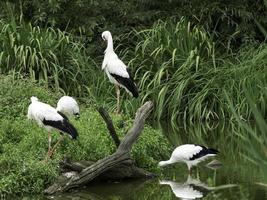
(192, 188)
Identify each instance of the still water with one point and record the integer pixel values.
(237, 178)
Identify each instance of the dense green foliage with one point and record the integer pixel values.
(197, 61)
(182, 63)
(254, 142)
(48, 55)
(23, 144)
(230, 21)
(14, 96)
(179, 66)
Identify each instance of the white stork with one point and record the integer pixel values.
(117, 71)
(185, 190)
(192, 188)
(190, 154)
(68, 106)
(48, 117)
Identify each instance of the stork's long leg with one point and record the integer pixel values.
(49, 143)
(189, 169)
(55, 146)
(48, 155)
(118, 98)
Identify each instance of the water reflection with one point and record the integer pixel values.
(192, 188)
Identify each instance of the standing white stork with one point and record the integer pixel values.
(48, 117)
(117, 71)
(68, 106)
(191, 154)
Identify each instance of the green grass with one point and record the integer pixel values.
(15, 95)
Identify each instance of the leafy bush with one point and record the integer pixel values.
(15, 95)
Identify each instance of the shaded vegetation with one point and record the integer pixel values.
(232, 22)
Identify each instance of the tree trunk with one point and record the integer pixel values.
(120, 161)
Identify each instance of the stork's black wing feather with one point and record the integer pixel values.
(62, 125)
(203, 152)
(127, 83)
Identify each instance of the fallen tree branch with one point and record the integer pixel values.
(120, 157)
(123, 170)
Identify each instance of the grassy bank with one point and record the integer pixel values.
(23, 144)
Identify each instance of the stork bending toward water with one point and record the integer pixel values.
(68, 106)
(190, 154)
(48, 117)
(117, 71)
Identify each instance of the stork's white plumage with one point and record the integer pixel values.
(116, 70)
(68, 106)
(48, 117)
(183, 190)
(192, 188)
(190, 154)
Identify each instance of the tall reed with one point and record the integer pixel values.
(252, 136)
(48, 55)
(181, 69)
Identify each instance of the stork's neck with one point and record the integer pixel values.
(164, 163)
(110, 45)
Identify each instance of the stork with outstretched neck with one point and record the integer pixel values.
(191, 154)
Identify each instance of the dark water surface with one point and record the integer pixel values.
(237, 178)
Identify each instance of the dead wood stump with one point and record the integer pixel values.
(119, 165)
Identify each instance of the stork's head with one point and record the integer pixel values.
(161, 164)
(77, 116)
(34, 99)
(106, 35)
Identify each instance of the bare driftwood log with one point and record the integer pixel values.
(118, 165)
(123, 170)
